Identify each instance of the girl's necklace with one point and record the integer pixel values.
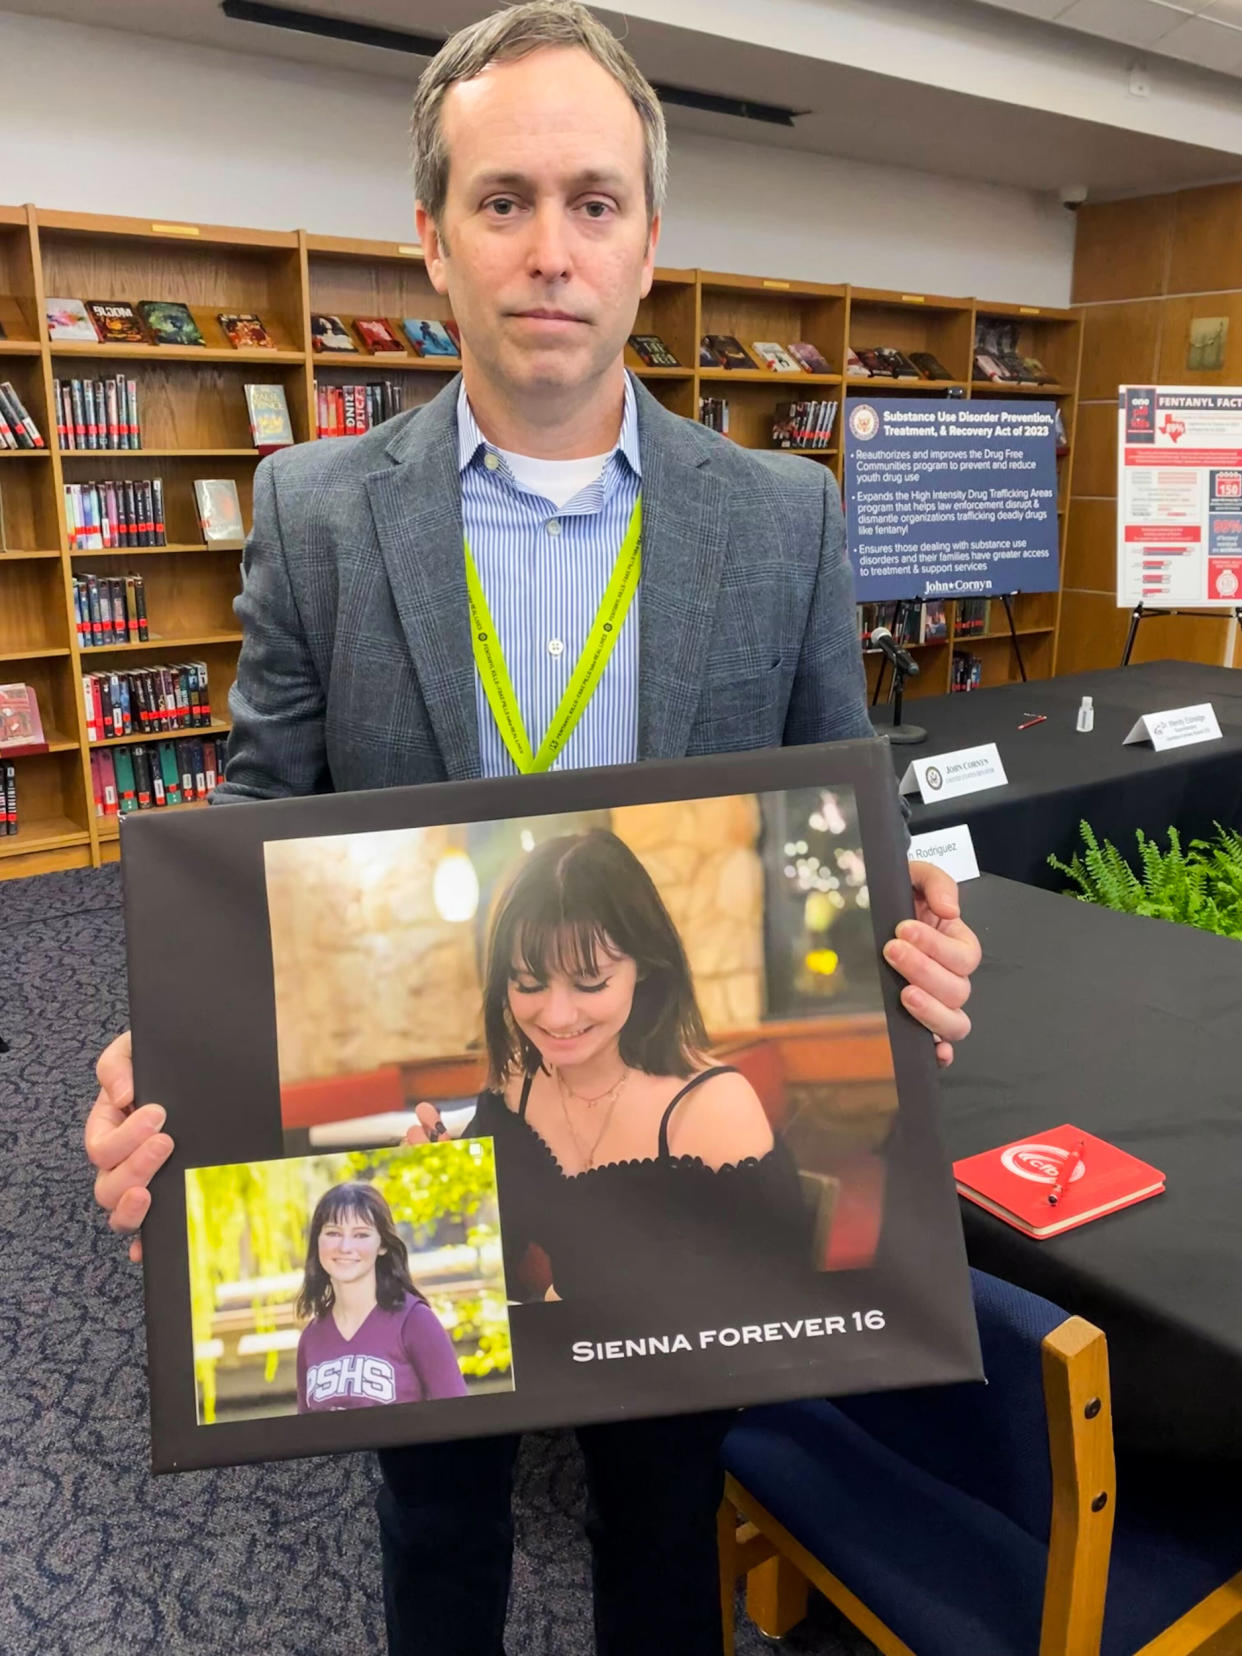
(564, 1092)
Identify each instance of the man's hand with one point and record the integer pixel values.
(124, 1144)
(936, 953)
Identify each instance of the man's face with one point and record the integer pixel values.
(546, 250)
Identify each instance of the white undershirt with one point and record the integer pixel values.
(556, 480)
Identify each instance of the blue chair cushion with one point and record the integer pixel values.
(943, 1570)
(1177, 1537)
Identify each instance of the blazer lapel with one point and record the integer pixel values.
(685, 536)
(416, 505)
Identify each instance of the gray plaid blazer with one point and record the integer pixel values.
(356, 669)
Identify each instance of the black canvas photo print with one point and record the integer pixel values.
(519, 1103)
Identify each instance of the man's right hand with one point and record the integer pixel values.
(124, 1144)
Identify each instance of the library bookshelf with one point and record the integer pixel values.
(195, 425)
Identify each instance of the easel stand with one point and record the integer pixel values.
(1140, 612)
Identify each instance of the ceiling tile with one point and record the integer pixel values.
(1134, 22)
(1224, 11)
(1206, 43)
(1045, 10)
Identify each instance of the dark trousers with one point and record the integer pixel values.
(653, 1489)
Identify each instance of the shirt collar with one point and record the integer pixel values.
(471, 441)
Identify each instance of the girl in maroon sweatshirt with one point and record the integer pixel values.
(372, 1337)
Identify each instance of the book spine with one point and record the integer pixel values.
(140, 594)
(10, 798)
(88, 407)
(116, 436)
(62, 433)
(157, 494)
(107, 773)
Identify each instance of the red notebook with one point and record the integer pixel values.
(1088, 1176)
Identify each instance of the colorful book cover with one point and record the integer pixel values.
(428, 338)
(21, 728)
(68, 319)
(775, 357)
(1055, 1181)
(269, 416)
(116, 323)
(652, 352)
(219, 511)
(728, 352)
(245, 331)
(329, 333)
(811, 358)
(376, 335)
(169, 323)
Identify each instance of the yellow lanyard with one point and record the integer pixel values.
(490, 661)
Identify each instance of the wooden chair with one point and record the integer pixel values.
(983, 1521)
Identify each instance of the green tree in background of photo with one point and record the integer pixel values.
(248, 1224)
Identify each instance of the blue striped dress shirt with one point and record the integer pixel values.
(543, 572)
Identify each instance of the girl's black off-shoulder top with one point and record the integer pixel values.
(654, 1228)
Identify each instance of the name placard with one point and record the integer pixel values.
(948, 775)
(1176, 727)
(949, 848)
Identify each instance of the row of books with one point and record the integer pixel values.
(998, 356)
(146, 701)
(115, 514)
(886, 362)
(349, 410)
(98, 414)
(17, 428)
(726, 351)
(151, 322)
(376, 334)
(8, 798)
(909, 623)
(714, 414)
(966, 672)
(110, 609)
(140, 778)
(973, 617)
(804, 424)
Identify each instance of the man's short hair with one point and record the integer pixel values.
(503, 37)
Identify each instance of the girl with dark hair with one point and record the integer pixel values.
(622, 1149)
(372, 1337)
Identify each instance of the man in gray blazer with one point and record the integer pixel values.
(357, 671)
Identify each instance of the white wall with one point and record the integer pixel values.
(95, 120)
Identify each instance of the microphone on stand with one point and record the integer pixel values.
(904, 666)
(901, 660)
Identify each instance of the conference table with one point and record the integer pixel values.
(1126, 1027)
(1057, 777)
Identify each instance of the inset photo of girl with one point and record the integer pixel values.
(346, 1281)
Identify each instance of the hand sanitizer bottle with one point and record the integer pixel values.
(1086, 714)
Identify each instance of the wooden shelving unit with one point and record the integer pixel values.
(194, 425)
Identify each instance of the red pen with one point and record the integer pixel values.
(1075, 1162)
(1039, 718)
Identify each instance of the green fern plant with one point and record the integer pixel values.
(1200, 886)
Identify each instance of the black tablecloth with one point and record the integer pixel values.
(1057, 777)
(1129, 1028)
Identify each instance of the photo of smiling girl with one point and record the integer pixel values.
(631, 1158)
(372, 1337)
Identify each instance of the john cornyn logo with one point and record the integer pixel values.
(933, 778)
(1041, 1163)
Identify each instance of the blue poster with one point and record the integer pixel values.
(947, 497)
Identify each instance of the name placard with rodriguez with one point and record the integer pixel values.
(946, 497)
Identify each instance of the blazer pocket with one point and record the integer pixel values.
(744, 707)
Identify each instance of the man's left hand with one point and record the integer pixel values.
(936, 953)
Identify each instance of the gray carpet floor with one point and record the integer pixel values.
(97, 1557)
